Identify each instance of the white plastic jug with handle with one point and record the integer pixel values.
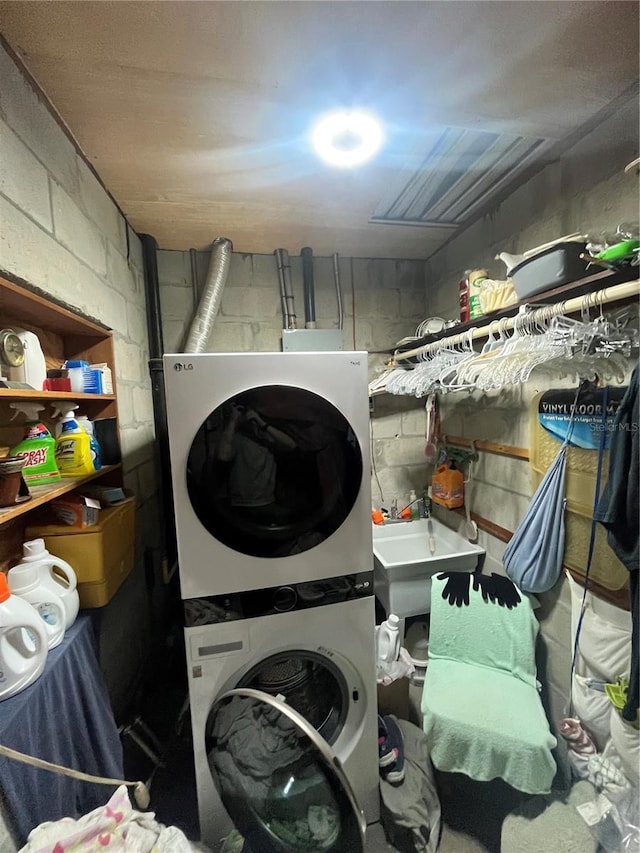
(388, 639)
(55, 574)
(24, 580)
(23, 642)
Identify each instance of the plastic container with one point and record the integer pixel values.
(10, 479)
(414, 504)
(417, 643)
(23, 642)
(558, 265)
(103, 555)
(475, 278)
(106, 433)
(73, 448)
(87, 426)
(24, 581)
(54, 575)
(463, 296)
(388, 639)
(447, 486)
(37, 448)
(76, 371)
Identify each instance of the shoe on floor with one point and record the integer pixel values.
(386, 755)
(390, 750)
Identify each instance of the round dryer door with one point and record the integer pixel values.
(274, 471)
(279, 780)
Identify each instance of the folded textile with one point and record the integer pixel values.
(114, 828)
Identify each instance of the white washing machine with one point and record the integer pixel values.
(270, 467)
(284, 714)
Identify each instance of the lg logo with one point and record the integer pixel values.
(182, 365)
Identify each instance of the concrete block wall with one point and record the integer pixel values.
(383, 301)
(60, 231)
(585, 191)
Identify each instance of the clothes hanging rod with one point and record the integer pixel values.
(615, 293)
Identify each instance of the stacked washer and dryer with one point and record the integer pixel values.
(271, 483)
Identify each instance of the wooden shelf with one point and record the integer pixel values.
(597, 281)
(52, 396)
(64, 334)
(43, 494)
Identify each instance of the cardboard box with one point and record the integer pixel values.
(76, 510)
(102, 555)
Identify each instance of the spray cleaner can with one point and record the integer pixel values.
(37, 447)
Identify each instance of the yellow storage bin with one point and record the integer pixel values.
(102, 555)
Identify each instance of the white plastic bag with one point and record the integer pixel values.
(391, 671)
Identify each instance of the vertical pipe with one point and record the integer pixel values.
(309, 294)
(152, 289)
(336, 278)
(156, 348)
(283, 299)
(288, 290)
(193, 260)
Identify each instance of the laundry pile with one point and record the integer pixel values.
(410, 805)
(253, 741)
(114, 828)
(259, 756)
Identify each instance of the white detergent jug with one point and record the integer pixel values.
(55, 574)
(388, 639)
(24, 580)
(23, 642)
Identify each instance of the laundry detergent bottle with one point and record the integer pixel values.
(73, 448)
(37, 448)
(24, 580)
(96, 454)
(54, 575)
(388, 640)
(23, 642)
(447, 486)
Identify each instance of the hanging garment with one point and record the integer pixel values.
(619, 511)
(533, 557)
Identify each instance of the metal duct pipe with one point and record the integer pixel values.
(286, 289)
(336, 278)
(209, 304)
(309, 291)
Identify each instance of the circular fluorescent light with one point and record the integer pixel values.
(347, 139)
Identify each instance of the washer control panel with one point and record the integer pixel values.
(212, 609)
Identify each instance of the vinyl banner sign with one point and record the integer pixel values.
(554, 414)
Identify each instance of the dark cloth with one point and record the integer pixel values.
(619, 511)
(64, 717)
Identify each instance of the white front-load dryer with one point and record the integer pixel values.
(270, 468)
(310, 647)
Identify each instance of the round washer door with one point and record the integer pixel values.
(279, 780)
(274, 471)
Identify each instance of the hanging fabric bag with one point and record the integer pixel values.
(533, 557)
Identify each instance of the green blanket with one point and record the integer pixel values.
(481, 709)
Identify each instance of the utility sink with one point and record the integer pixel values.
(404, 564)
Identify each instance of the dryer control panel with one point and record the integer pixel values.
(212, 609)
